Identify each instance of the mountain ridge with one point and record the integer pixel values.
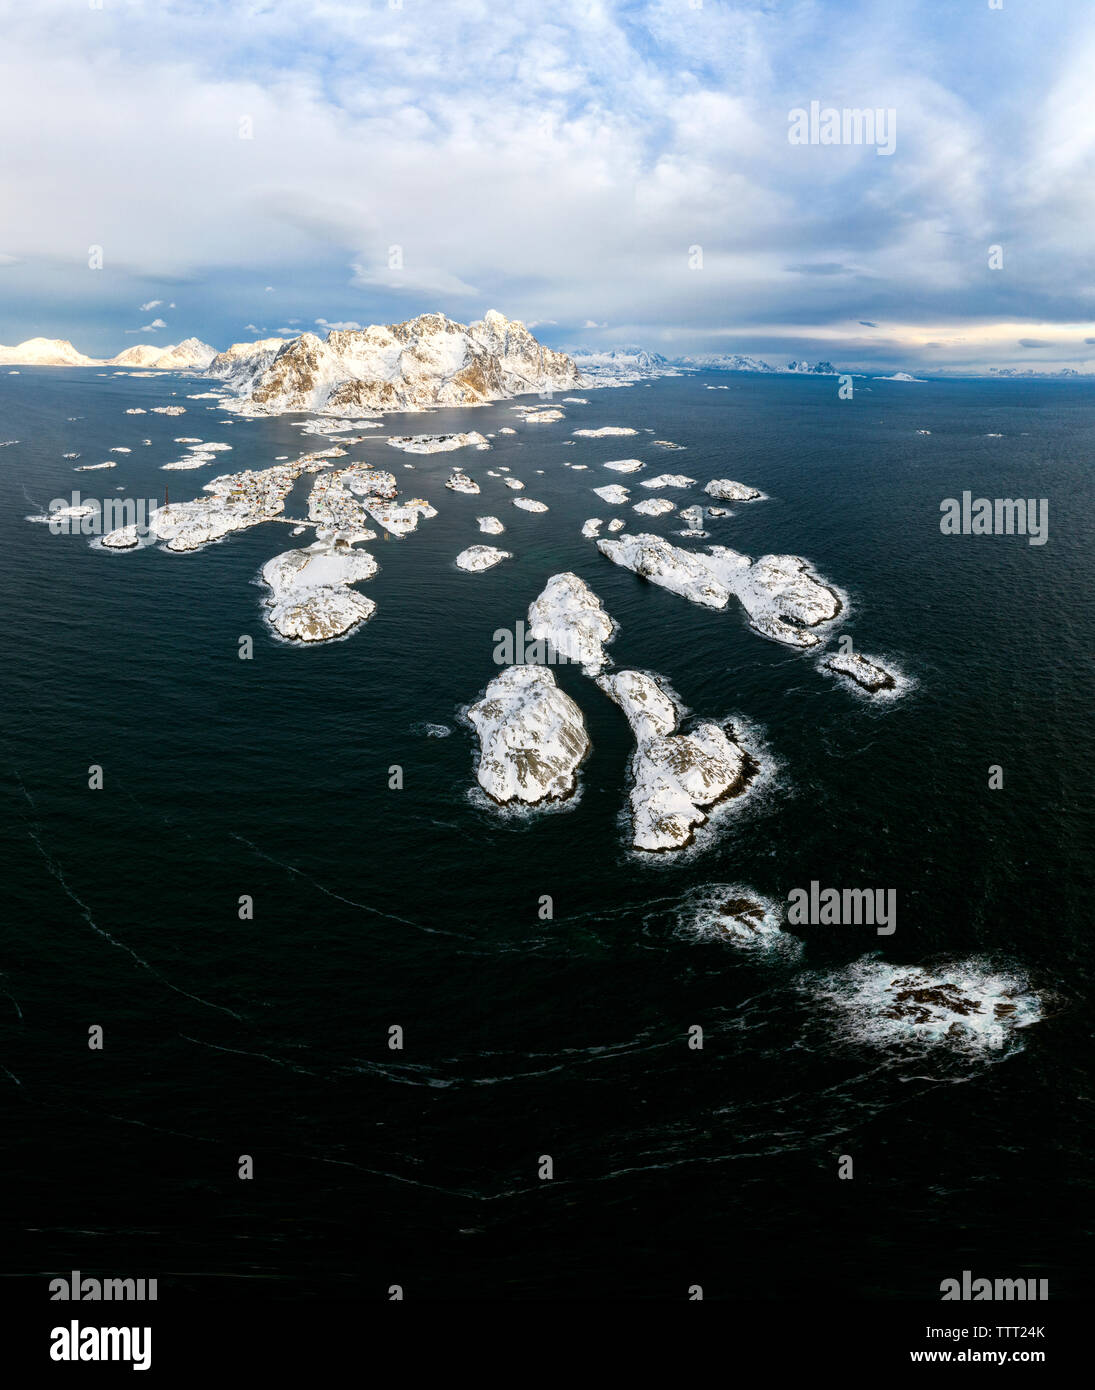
(428, 360)
(191, 353)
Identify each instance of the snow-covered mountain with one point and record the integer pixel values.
(59, 352)
(814, 368)
(624, 358)
(1030, 371)
(245, 359)
(740, 362)
(620, 366)
(241, 363)
(139, 355)
(726, 362)
(46, 352)
(190, 354)
(426, 361)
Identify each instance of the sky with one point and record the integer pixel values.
(610, 173)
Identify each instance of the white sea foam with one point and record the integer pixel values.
(968, 1005)
(737, 914)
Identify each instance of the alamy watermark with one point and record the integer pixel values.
(78, 1288)
(848, 907)
(93, 1343)
(88, 516)
(516, 648)
(974, 1290)
(996, 516)
(848, 125)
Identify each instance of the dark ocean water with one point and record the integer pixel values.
(419, 907)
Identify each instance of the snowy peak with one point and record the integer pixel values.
(191, 353)
(59, 352)
(46, 352)
(139, 355)
(525, 363)
(241, 362)
(241, 352)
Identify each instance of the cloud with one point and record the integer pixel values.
(613, 137)
(821, 268)
(867, 323)
(1034, 343)
(153, 326)
(338, 327)
(152, 304)
(421, 279)
(252, 328)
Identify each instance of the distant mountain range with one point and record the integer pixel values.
(426, 361)
(637, 361)
(59, 352)
(738, 362)
(1033, 371)
(385, 366)
(622, 358)
(641, 360)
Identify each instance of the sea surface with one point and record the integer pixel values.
(419, 907)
